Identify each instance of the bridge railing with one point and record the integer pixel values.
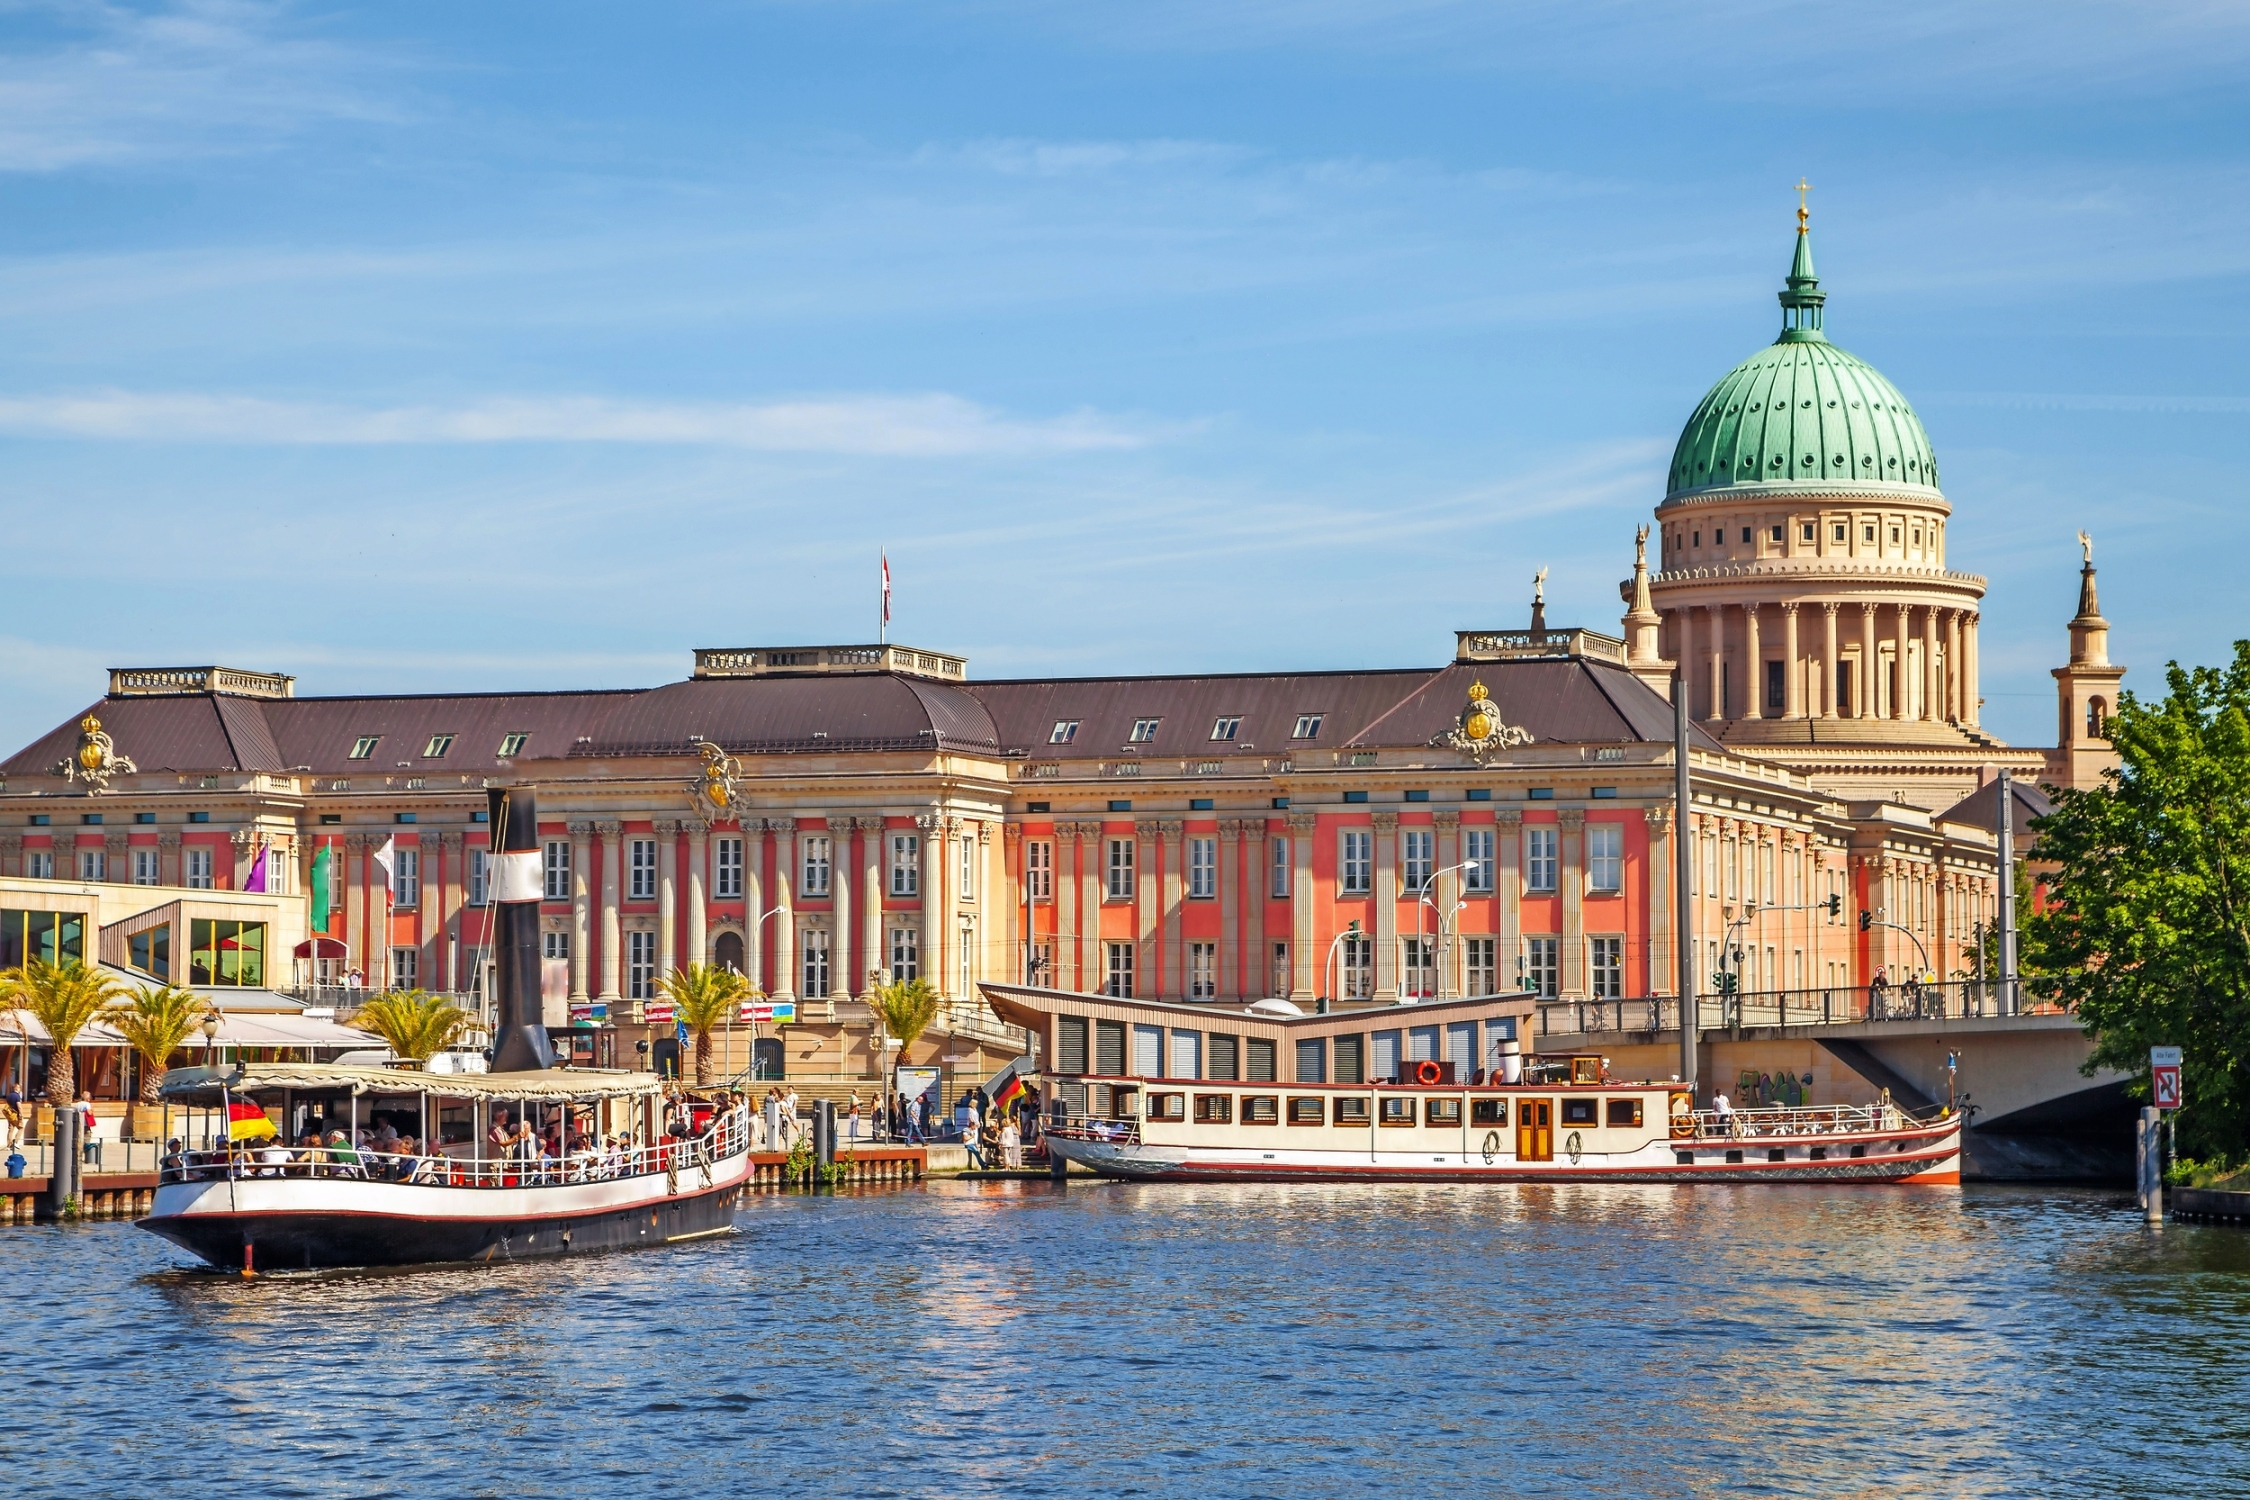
(1948, 1000)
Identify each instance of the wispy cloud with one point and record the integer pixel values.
(2033, 401)
(922, 426)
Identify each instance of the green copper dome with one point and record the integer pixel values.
(1802, 410)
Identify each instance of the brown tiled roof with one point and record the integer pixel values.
(1981, 809)
(1268, 704)
(156, 734)
(320, 732)
(1570, 701)
(778, 715)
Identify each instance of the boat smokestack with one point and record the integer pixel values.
(1511, 1060)
(519, 1034)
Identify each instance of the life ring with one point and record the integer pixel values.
(1427, 1072)
(1491, 1145)
(1683, 1118)
(1572, 1146)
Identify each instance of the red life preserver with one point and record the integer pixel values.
(1427, 1072)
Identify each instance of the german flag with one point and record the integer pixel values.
(247, 1122)
(1009, 1093)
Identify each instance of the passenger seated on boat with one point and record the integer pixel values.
(344, 1155)
(275, 1158)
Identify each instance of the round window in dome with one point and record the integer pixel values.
(1838, 459)
(1808, 406)
(1808, 459)
(1831, 406)
(1891, 463)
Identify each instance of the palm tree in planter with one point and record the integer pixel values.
(702, 997)
(907, 1007)
(64, 999)
(156, 1019)
(415, 1024)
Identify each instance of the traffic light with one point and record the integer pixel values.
(1835, 906)
(1866, 921)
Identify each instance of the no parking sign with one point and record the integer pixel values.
(2164, 1076)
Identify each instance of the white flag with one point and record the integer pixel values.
(383, 860)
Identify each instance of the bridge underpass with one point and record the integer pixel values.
(2032, 1113)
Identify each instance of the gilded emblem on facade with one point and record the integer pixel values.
(714, 791)
(95, 760)
(1479, 734)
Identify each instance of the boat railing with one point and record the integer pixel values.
(727, 1135)
(1795, 1120)
(1091, 1128)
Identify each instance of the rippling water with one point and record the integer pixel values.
(1217, 1341)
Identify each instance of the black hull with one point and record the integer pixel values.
(315, 1241)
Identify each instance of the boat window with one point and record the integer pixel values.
(1224, 1056)
(1580, 1112)
(1261, 1109)
(1398, 1111)
(1313, 1111)
(1258, 1059)
(1585, 1070)
(1351, 1111)
(1127, 1103)
(1214, 1109)
(1441, 1112)
(1488, 1111)
(1167, 1106)
(1624, 1112)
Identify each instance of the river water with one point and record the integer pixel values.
(1017, 1339)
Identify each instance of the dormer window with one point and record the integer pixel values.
(1226, 728)
(1308, 727)
(1064, 732)
(438, 745)
(511, 745)
(364, 746)
(1144, 730)
(1807, 531)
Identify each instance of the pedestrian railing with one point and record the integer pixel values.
(1834, 1006)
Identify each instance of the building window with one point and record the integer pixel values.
(1419, 975)
(1542, 972)
(1605, 856)
(1144, 730)
(555, 945)
(50, 936)
(1540, 858)
(816, 867)
(816, 962)
(406, 968)
(1226, 728)
(1416, 848)
(93, 864)
(906, 864)
(906, 954)
(1608, 959)
(1355, 863)
(1039, 869)
(1357, 957)
(39, 864)
(1203, 971)
(1280, 888)
(1043, 965)
(555, 865)
(406, 878)
(1476, 848)
(198, 869)
(1120, 869)
(641, 864)
(640, 966)
(364, 746)
(1120, 981)
(967, 890)
(438, 745)
(1203, 868)
(966, 978)
(479, 884)
(1308, 727)
(511, 745)
(146, 866)
(1478, 976)
(1279, 980)
(1064, 732)
(726, 880)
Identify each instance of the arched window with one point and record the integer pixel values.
(2097, 716)
(726, 953)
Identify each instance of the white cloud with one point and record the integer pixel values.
(925, 426)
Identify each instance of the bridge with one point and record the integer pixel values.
(2033, 1113)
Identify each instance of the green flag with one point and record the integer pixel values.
(323, 889)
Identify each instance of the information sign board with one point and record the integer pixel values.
(2164, 1076)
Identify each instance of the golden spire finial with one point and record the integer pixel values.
(1804, 215)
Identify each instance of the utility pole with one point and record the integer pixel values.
(1683, 874)
(2007, 895)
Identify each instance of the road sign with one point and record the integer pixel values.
(2164, 1076)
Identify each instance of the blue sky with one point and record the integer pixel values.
(417, 347)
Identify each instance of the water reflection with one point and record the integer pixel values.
(1295, 1340)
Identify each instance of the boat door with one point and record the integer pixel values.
(1535, 1130)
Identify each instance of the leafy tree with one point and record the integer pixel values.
(2147, 930)
(64, 999)
(415, 1024)
(701, 997)
(907, 1007)
(156, 1020)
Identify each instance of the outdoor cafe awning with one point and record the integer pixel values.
(256, 1029)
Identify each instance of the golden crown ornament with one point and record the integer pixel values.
(1480, 733)
(95, 760)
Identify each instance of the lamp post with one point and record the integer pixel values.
(1422, 899)
(1327, 965)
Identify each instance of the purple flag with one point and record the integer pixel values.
(256, 879)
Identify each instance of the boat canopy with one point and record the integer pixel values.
(557, 1084)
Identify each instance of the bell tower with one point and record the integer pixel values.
(2085, 690)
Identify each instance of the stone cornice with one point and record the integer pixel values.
(1815, 570)
(1799, 491)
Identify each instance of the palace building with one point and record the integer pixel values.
(1501, 819)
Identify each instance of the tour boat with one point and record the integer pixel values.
(251, 1200)
(1159, 1091)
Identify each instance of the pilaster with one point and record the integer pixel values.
(581, 907)
(1572, 883)
(1301, 956)
(613, 954)
(1386, 904)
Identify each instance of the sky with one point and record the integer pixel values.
(425, 347)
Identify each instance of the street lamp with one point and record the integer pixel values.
(1422, 899)
(1351, 930)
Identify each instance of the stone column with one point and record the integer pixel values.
(698, 863)
(784, 831)
(355, 912)
(613, 943)
(168, 869)
(1386, 904)
(1572, 882)
(1444, 894)
(1257, 971)
(1953, 666)
(1972, 706)
(581, 907)
(1507, 844)
(1831, 659)
(1715, 650)
(1902, 690)
(840, 905)
(871, 936)
(1793, 676)
(990, 889)
(1175, 957)
(1091, 837)
(1753, 664)
(1302, 959)
(1662, 962)
(1868, 664)
(452, 892)
(1228, 977)
(1015, 896)
(1146, 914)
(667, 894)
(933, 898)
(1933, 679)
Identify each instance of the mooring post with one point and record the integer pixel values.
(824, 1132)
(62, 1169)
(2148, 1162)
